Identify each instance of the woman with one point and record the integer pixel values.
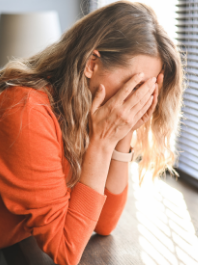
(67, 118)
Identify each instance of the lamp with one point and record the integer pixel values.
(23, 35)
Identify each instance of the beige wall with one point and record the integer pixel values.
(68, 10)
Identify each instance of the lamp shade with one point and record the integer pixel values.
(23, 35)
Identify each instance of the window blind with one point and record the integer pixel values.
(88, 6)
(187, 40)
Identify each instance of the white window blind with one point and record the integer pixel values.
(187, 40)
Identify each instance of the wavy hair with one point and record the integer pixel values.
(118, 31)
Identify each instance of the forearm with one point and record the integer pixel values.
(118, 171)
(116, 191)
(95, 166)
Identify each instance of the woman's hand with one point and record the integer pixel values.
(150, 111)
(111, 122)
(124, 144)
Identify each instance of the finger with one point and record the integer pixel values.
(98, 98)
(140, 114)
(122, 94)
(154, 103)
(156, 90)
(160, 80)
(141, 96)
(149, 112)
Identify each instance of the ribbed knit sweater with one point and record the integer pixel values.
(34, 197)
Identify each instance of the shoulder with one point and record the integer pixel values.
(18, 95)
(14, 98)
(28, 120)
(19, 103)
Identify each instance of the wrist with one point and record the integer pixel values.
(92, 174)
(123, 156)
(124, 144)
(102, 146)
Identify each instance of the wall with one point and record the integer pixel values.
(165, 11)
(68, 10)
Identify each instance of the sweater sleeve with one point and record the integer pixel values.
(111, 212)
(32, 184)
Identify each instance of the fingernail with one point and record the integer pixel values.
(101, 87)
(140, 75)
(152, 81)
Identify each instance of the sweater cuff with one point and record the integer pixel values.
(116, 197)
(86, 201)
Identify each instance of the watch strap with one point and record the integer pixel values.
(124, 157)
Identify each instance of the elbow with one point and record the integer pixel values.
(104, 231)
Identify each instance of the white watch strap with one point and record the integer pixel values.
(124, 157)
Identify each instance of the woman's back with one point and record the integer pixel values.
(35, 199)
(18, 106)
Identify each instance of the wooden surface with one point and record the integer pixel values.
(159, 225)
(25, 252)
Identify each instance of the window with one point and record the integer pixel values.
(187, 40)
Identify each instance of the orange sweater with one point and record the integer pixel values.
(34, 198)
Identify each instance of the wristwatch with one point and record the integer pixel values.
(124, 157)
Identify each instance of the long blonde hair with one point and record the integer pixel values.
(118, 31)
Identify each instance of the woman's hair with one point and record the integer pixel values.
(118, 31)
